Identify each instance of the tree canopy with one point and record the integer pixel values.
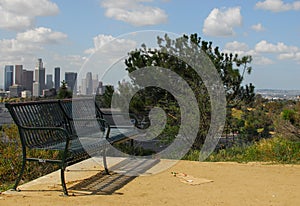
(230, 67)
(63, 91)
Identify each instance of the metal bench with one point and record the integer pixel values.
(75, 127)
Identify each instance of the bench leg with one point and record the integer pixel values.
(63, 182)
(132, 147)
(21, 172)
(105, 162)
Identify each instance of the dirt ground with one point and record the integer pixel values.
(232, 184)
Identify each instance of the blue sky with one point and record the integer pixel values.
(64, 33)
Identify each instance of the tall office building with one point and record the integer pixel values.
(27, 80)
(89, 83)
(18, 74)
(57, 78)
(40, 63)
(95, 83)
(100, 88)
(71, 80)
(83, 87)
(40, 75)
(8, 76)
(36, 89)
(49, 81)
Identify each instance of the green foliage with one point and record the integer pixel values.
(290, 115)
(63, 91)
(257, 125)
(137, 151)
(287, 120)
(227, 65)
(274, 150)
(105, 100)
(251, 122)
(11, 159)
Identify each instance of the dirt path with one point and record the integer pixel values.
(233, 184)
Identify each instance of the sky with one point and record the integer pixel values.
(66, 33)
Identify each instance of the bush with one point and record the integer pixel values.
(276, 150)
(137, 151)
(11, 159)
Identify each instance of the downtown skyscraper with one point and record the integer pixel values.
(18, 74)
(40, 75)
(89, 83)
(27, 80)
(8, 76)
(57, 78)
(71, 80)
(49, 81)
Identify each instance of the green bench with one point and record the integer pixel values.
(77, 128)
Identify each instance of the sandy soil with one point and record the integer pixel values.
(233, 184)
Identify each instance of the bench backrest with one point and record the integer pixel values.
(38, 114)
(80, 117)
(85, 115)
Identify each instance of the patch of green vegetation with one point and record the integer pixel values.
(6, 186)
(137, 151)
(11, 159)
(274, 150)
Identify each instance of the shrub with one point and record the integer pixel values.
(11, 159)
(276, 150)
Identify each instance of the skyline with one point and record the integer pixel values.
(18, 80)
(64, 34)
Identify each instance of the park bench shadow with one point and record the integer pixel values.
(107, 184)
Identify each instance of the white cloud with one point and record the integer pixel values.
(286, 56)
(297, 57)
(222, 22)
(261, 60)
(14, 52)
(290, 56)
(101, 40)
(110, 44)
(279, 51)
(265, 47)
(242, 49)
(70, 62)
(134, 12)
(236, 47)
(41, 35)
(258, 27)
(108, 55)
(27, 45)
(283, 51)
(14, 47)
(18, 15)
(277, 5)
